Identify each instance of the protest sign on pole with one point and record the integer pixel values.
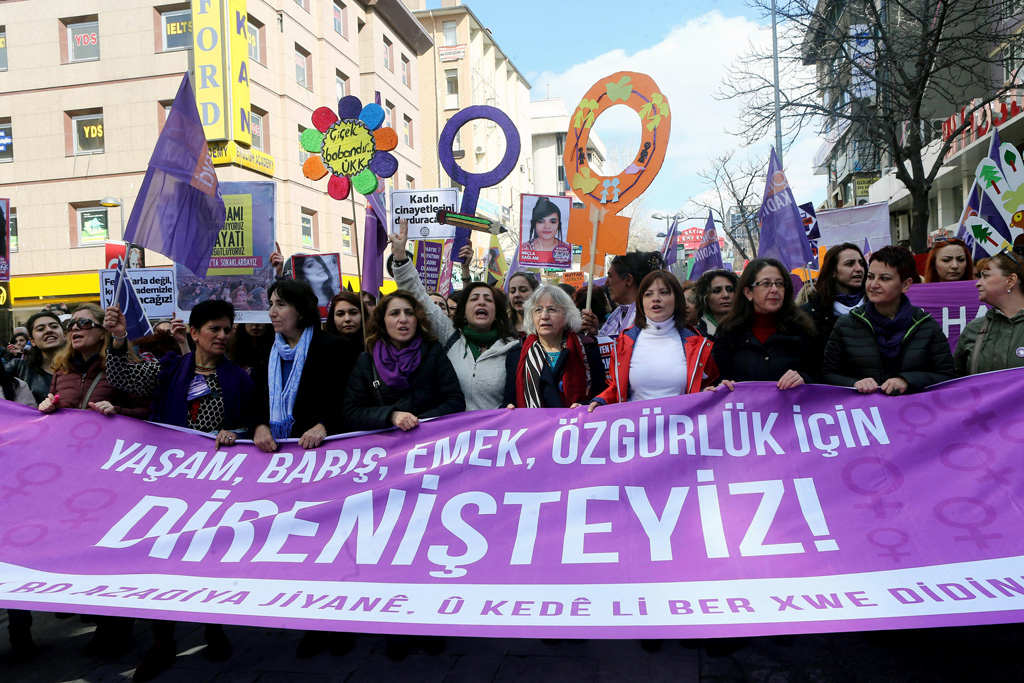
(239, 270)
(323, 274)
(419, 208)
(543, 231)
(820, 510)
(154, 286)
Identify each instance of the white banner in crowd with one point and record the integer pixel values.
(155, 287)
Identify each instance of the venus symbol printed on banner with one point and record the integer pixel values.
(970, 407)
(36, 474)
(351, 146)
(963, 513)
(84, 432)
(1005, 433)
(39, 430)
(472, 183)
(880, 477)
(24, 535)
(893, 548)
(95, 500)
(986, 456)
(929, 419)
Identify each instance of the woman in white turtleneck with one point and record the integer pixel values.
(660, 356)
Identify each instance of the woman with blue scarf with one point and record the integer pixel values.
(888, 343)
(406, 375)
(307, 371)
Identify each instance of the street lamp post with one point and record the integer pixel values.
(110, 202)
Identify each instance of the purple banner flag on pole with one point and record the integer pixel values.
(375, 242)
(179, 211)
(867, 249)
(670, 247)
(136, 322)
(782, 230)
(709, 254)
(671, 518)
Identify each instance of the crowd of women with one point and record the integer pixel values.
(415, 355)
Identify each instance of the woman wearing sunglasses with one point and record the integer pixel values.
(79, 371)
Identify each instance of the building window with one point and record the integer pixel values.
(302, 67)
(3, 48)
(83, 40)
(406, 73)
(340, 19)
(257, 121)
(340, 84)
(1011, 64)
(303, 154)
(309, 229)
(451, 80)
(346, 235)
(410, 182)
(92, 226)
(176, 29)
(388, 62)
(389, 114)
(407, 129)
(12, 229)
(6, 140)
(254, 29)
(304, 4)
(87, 133)
(450, 37)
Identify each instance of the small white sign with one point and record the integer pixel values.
(419, 208)
(155, 287)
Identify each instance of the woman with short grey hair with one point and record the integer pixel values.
(556, 368)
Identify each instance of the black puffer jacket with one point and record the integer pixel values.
(852, 353)
(433, 391)
(742, 357)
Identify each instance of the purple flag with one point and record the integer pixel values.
(782, 230)
(670, 247)
(867, 249)
(709, 254)
(512, 268)
(125, 296)
(375, 241)
(179, 211)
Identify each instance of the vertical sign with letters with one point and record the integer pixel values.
(238, 49)
(210, 64)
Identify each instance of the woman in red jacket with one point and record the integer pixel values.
(79, 371)
(671, 357)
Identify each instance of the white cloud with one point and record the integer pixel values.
(688, 65)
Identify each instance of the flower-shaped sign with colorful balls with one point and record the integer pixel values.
(351, 147)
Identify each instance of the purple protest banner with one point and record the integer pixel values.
(715, 514)
(952, 304)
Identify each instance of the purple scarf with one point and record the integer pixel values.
(397, 365)
(889, 332)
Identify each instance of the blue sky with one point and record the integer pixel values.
(563, 47)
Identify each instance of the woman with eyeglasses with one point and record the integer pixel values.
(556, 368)
(888, 344)
(765, 337)
(996, 340)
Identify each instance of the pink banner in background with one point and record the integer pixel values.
(716, 514)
